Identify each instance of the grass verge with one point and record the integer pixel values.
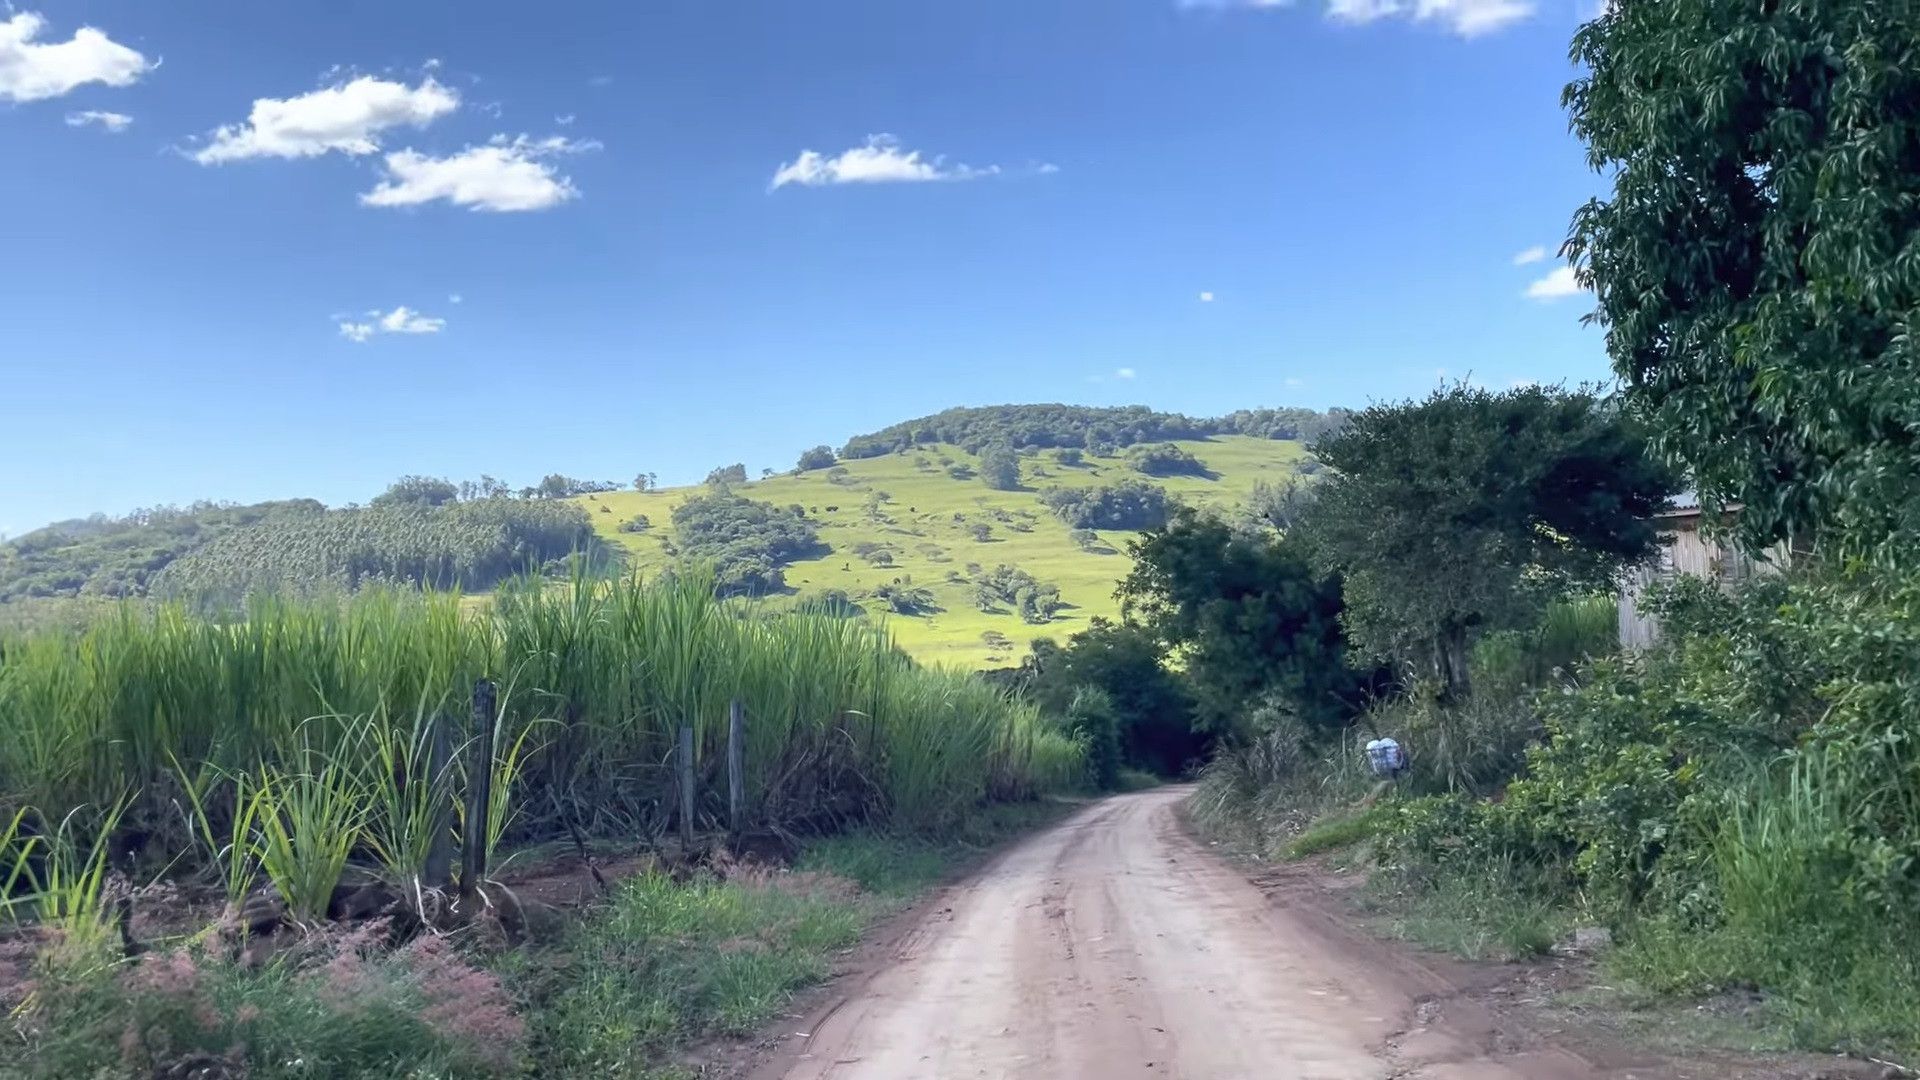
(665, 964)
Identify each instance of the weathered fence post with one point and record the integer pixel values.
(736, 768)
(685, 763)
(473, 864)
(438, 873)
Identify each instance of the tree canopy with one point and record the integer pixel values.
(1757, 265)
(1084, 427)
(747, 541)
(1248, 616)
(1000, 468)
(1462, 513)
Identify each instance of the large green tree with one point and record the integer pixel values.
(1248, 616)
(1463, 513)
(1757, 265)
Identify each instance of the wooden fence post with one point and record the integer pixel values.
(736, 767)
(438, 873)
(473, 865)
(685, 763)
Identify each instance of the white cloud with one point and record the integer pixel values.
(401, 320)
(454, 298)
(1557, 285)
(564, 119)
(1361, 12)
(1206, 297)
(405, 320)
(1124, 373)
(32, 70)
(1471, 18)
(1534, 254)
(879, 161)
(504, 175)
(1467, 18)
(107, 121)
(348, 117)
(1294, 381)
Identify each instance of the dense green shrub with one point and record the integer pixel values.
(746, 541)
(1165, 459)
(1129, 504)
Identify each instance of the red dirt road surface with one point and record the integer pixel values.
(1113, 946)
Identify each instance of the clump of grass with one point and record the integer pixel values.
(666, 962)
(1501, 910)
(1341, 829)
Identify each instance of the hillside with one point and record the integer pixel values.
(926, 527)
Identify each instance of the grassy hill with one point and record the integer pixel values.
(926, 527)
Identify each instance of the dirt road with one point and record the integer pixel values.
(1114, 946)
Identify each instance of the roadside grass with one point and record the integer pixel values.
(1489, 912)
(666, 963)
(926, 541)
(1136, 780)
(1338, 830)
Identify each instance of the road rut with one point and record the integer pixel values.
(1113, 946)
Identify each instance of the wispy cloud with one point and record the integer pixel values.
(1560, 283)
(106, 121)
(1466, 18)
(1206, 297)
(347, 117)
(1124, 373)
(880, 160)
(503, 176)
(32, 70)
(401, 320)
(1534, 254)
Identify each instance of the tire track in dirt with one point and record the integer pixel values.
(1113, 947)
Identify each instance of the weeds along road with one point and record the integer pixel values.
(1114, 946)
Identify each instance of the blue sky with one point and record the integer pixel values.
(267, 250)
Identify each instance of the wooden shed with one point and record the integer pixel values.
(1684, 550)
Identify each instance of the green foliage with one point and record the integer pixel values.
(457, 545)
(666, 962)
(903, 597)
(1100, 430)
(1755, 266)
(417, 491)
(1000, 468)
(1129, 504)
(1464, 513)
(1094, 721)
(746, 541)
(636, 524)
(1070, 456)
(1165, 459)
(1247, 616)
(820, 457)
(278, 718)
(727, 476)
(1011, 588)
(556, 486)
(1153, 704)
(1744, 800)
(114, 557)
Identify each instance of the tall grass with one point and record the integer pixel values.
(314, 716)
